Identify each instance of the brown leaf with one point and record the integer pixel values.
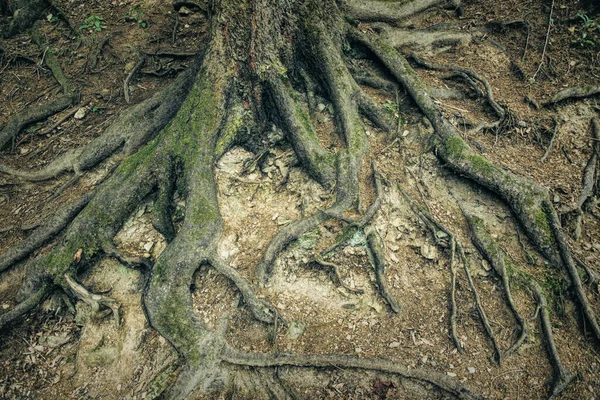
(77, 256)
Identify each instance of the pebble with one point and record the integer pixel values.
(393, 345)
(471, 370)
(80, 114)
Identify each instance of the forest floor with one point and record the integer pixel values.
(52, 353)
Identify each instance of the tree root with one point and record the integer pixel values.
(562, 376)
(341, 87)
(578, 92)
(25, 306)
(440, 381)
(484, 319)
(336, 270)
(43, 234)
(529, 201)
(492, 253)
(554, 135)
(440, 233)
(95, 301)
(261, 309)
(130, 131)
(377, 258)
(498, 109)
(392, 12)
(589, 175)
(30, 115)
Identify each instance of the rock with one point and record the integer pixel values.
(393, 345)
(471, 370)
(80, 114)
(428, 251)
(184, 11)
(148, 246)
(451, 374)
(102, 356)
(320, 107)
(295, 330)
(55, 341)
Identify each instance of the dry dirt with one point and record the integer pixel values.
(53, 353)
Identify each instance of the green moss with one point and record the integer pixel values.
(481, 165)
(232, 127)
(455, 147)
(543, 225)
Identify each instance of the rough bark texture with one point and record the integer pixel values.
(257, 54)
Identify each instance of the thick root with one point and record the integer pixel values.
(375, 11)
(130, 131)
(25, 306)
(43, 234)
(437, 379)
(578, 92)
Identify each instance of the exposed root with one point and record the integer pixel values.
(129, 132)
(374, 113)
(562, 376)
(492, 253)
(25, 16)
(427, 40)
(37, 113)
(589, 175)
(569, 265)
(25, 306)
(529, 201)
(135, 69)
(111, 250)
(43, 234)
(377, 258)
(30, 115)
(437, 379)
(95, 301)
(498, 109)
(318, 162)
(484, 319)
(554, 135)
(577, 92)
(261, 309)
(336, 270)
(374, 11)
(440, 234)
(341, 87)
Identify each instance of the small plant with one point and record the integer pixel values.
(98, 110)
(94, 22)
(589, 34)
(136, 15)
(391, 108)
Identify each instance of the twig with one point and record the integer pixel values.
(556, 125)
(546, 42)
(137, 66)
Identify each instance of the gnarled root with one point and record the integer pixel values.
(577, 92)
(95, 301)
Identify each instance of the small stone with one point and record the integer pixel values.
(451, 374)
(428, 251)
(556, 198)
(80, 114)
(320, 107)
(5, 306)
(295, 330)
(184, 11)
(148, 246)
(471, 370)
